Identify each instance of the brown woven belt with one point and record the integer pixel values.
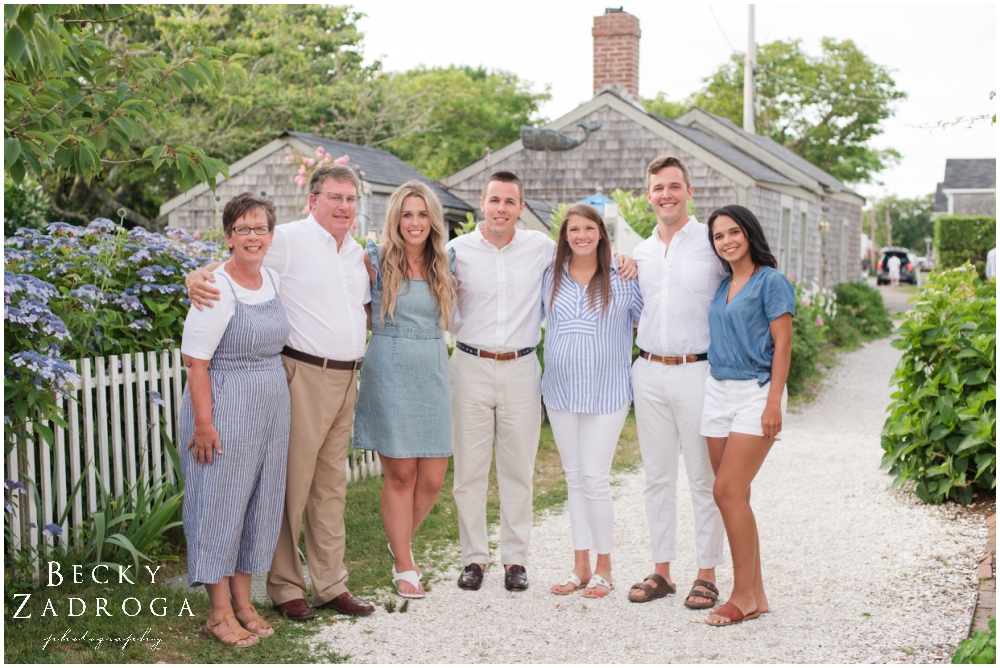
(321, 361)
(680, 359)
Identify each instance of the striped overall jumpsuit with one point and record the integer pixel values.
(233, 507)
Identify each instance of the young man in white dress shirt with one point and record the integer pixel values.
(325, 292)
(679, 274)
(496, 377)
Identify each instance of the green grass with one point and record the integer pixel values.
(184, 638)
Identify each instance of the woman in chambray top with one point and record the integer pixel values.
(587, 385)
(751, 327)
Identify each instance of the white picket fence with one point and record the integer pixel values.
(117, 417)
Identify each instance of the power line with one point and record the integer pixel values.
(720, 28)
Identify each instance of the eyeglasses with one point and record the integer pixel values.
(243, 230)
(336, 199)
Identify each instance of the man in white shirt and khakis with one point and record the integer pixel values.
(496, 377)
(679, 274)
(325, 292)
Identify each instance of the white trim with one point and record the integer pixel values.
(968, 191)
(532, 221)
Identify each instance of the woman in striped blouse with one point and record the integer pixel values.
(586, 387)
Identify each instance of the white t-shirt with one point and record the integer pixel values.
(204, 329)
(499, 290)
(678, 285)
(894, 263)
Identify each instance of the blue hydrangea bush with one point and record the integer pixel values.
(74, 292)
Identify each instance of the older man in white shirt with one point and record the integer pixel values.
(325, 292)
(679, 274)
(496, 377)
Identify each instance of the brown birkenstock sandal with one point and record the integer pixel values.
(658, 589)
(228, 631)
(711, 593)
(254, 623)
(733, 614)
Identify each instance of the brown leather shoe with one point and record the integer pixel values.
(349, 604)
(471, 577)
(516, 578)
(296, 610)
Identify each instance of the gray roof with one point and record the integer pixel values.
(792, 158)
(961, 173)
(380, 166)
(541, 209)
(735, 157)
(727, 152)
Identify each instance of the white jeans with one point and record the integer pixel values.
(668, 407)
(586, 443)
(495, 403)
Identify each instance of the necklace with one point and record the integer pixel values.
(732, 284)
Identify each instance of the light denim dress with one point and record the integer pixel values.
(404, 401)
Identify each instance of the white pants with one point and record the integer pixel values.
(495, 402)
(586, 443)
(668, 407)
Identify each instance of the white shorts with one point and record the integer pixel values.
(736, 405)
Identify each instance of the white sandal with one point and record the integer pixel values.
(407, 576)
(595, 582)
(571, 579)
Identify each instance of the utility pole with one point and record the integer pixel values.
(888, 226)
(872, 258)
(749, 76)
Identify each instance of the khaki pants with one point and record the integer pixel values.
(495, 402)
(322, 413)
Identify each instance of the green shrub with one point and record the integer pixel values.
(941, 430)
(961, 239)
(24, 205)
(814, 310)
(980, 648)
(861, 315)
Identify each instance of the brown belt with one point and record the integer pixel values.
(321, 361)
(500, 357)
(680, 359)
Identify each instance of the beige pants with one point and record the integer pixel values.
(495, 402)
(322, 412)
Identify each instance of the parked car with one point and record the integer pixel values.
(924, 263)
(907, 266)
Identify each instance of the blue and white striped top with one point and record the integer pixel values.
(588, 357)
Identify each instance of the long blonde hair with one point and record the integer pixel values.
(393, 266)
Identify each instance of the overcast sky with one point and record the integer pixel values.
(944, 57)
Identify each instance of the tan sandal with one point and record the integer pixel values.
(231, 633)
(254, 623)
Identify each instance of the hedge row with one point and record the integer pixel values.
(961, 239)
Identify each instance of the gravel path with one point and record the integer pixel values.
(856, 572)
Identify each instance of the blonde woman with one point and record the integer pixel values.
(404, 402)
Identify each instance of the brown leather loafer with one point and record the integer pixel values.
(471, 578)
(516, 578)
(296, 610)
(349, 604)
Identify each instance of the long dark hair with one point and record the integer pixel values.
(760, 252)
(600, 285)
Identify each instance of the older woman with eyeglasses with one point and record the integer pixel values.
(234, 426)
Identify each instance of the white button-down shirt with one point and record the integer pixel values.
(677, 284)
(324, 290)
(499, 292)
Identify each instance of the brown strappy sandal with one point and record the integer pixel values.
(231, 633)
(254, 623)
(658, 589)
(712, 594)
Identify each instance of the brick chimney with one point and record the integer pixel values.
(616, 53)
